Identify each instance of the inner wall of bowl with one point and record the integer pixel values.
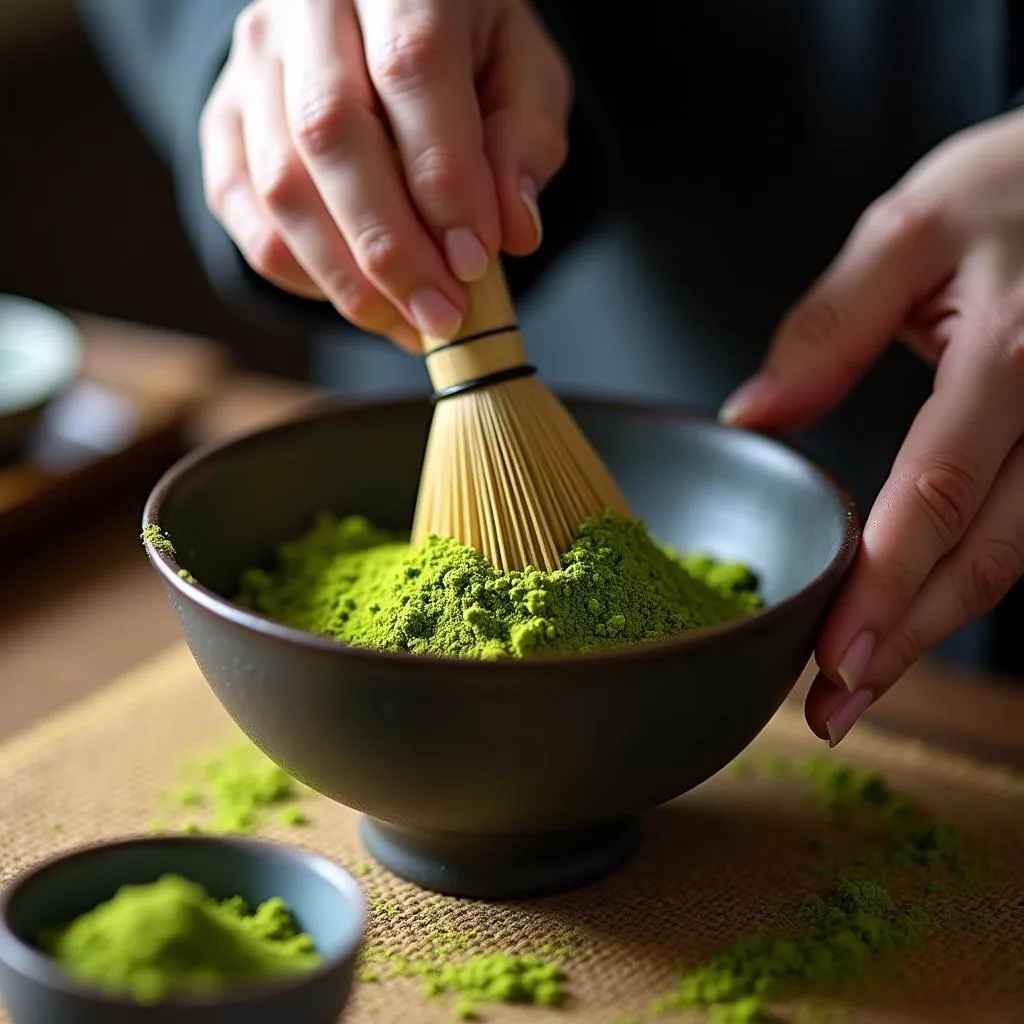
(74, 886)
(733, 495)
(698, 486)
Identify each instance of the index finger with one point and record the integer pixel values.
(948, 463)
(900, 250)
(346, 150)
(419, 56)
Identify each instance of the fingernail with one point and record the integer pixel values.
(844, 718)
(528, 190)
(854, 662)
(746, 399)
(466, 254)
(433, 314)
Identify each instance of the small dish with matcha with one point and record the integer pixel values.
(502, 733)
(181, 928)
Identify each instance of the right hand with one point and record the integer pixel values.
(376, 153)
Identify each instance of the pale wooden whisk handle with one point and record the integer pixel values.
(488, 348)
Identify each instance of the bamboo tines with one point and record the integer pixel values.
(507, 469)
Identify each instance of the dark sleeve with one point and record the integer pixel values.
(164, 57)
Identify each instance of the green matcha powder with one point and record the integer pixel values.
(351, 581)
(170, 937)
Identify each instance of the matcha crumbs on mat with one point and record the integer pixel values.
(878, 905)
(831, 939)
(152, 534)
(236, 789)
(496, 978)
(348, 580)
(170, 937)
(488, 978)
(446, 969)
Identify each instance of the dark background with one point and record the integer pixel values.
(88, 219)
(87, 213)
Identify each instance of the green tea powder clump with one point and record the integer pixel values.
(348, 580)
(834, 938)
(170, 937)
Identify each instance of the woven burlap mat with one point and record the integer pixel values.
(711, 867)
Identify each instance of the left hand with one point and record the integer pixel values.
(939, 263)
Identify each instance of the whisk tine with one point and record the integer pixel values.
(507, 470)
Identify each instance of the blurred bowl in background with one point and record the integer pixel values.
(40, 357)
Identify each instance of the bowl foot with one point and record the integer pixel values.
(501, 867)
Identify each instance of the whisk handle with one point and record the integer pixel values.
(488, 349)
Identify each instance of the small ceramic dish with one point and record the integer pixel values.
(327, 904)
(40, 357)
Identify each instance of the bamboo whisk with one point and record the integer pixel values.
(507, 470)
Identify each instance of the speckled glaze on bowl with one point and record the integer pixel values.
(326, 901)
(520, 777)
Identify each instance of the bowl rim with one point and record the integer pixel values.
(27, 961)
(331, 407)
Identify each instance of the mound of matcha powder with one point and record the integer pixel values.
(170, 937)
(367, 587)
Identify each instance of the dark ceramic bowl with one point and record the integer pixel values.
(513, 778)
(327, 903)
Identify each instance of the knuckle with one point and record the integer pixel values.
(897, 221)
(377, 251)
(216, 191)
(815, 324)
(553, 142)
(208, 118)
(323, 116)
(250, 29)
(410, 55)
(947, 492)
(1013, 348)
(266, 252)
(908, 646)
(278, 181)
(355, 300)
(894, 586)
(994, 569)
(435, 173)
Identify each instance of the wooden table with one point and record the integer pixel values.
(87, 607)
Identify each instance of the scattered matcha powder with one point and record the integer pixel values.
(832, 938)
(496, 978)
(444, 969)
(351, 581)
(475, 980)
(152, 534)
(237, 788)
(170, 937)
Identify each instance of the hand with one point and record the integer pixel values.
(376, 153)
(938, 262)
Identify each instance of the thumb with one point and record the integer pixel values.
(895, 257)
(526, 102)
